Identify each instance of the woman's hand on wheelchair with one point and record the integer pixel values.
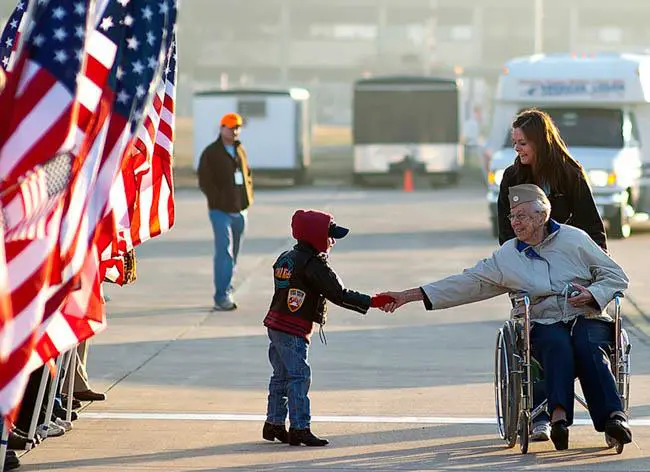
(584, 298)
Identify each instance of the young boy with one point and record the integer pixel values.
(303, 282)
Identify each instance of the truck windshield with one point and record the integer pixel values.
(587, 127)
(405, 116)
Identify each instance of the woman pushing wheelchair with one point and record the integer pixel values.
(570, 281)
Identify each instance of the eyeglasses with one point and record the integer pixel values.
(521, 217)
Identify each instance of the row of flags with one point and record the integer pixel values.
(86, 144)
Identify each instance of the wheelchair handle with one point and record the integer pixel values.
(522, 298)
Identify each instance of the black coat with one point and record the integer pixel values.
(303, 281)
(216, 175)
(574, 206)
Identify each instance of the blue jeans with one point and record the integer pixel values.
(290, 381)
(228, 231)
(578, 349)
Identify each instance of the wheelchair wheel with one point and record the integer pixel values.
(500, 384)
(623, 377)
(524, 431)
(507, 385)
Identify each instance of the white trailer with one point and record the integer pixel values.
(601, 104)
(401, 121)
(276, 131)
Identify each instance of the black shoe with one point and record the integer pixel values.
(37, 437)
(89, 396)
(271, 432)
(17, 441)
(306, 437)
(618, 428)
(76, 404)
(11, 461)
(560, 435)
(62, 413)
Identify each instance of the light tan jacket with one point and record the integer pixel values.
(567, 255)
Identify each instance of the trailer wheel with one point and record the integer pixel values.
(303, 177)
(619, 224)
(358, 180)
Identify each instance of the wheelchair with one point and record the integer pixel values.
(514, 374)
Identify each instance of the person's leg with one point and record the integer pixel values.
(28, 402)
(592, 343)
(277, 406)
(223, 260)
(81, 374)
(294, 351)
(276, 410)
(551, 346)
(238, 230)
(238, 227)
(541, 430)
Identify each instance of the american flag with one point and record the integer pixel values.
(38, 118)
(28, 203)
(5, 295)
(10, 36)
(157, 188)
(143, 194)
(104, 145)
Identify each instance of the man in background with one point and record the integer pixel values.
(226, 181)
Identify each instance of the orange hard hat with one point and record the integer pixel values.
(231, 120)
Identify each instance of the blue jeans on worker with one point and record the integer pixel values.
(228, 229)
(578, 348)
(290, 381)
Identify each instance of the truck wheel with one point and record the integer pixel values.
(452, 178)
(619, 224)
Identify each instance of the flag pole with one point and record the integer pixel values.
(3, 441)
(37, 410)
(72, 368)
(53, 390)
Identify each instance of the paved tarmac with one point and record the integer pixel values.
(411, 391)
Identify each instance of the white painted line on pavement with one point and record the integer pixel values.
(317, 419)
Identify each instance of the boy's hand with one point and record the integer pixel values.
(381, 300)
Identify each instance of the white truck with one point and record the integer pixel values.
(276, 131)
(601, 105)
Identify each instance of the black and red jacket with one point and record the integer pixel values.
(304, 280)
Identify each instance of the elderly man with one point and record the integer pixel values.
(570, 281)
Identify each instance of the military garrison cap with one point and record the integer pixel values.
(526, 193)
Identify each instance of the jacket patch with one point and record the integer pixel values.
(282, 271)
(295, 299)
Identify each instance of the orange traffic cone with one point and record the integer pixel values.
(408, 180)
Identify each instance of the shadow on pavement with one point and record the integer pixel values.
(453, 454)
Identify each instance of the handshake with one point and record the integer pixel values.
(386, 301)
(391, 301)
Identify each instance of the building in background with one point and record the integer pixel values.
(325, 45)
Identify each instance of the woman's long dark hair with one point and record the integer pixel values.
(553, 165)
